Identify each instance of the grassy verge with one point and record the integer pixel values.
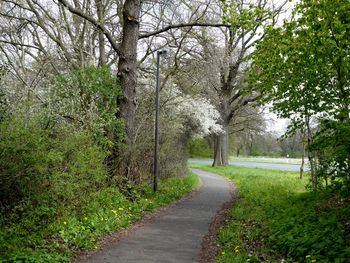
(276, 220)
(107, 211)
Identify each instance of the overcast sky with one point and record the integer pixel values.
(275, 124)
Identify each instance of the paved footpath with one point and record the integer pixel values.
(174, 236)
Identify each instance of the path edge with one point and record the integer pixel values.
(106, 241)
(209, 249)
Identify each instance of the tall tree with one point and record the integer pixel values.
(249, 20)
(120, 25)
(220, 61)
(303, 68)
(127, 51)
(78, 33)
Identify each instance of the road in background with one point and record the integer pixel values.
(273, 166)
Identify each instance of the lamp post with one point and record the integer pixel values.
(156, 126)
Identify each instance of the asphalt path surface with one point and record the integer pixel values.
(176, 235)
(273, 166)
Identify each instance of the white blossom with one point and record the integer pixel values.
(199, 110)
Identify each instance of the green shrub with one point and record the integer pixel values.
(24, 148)
(56, 163)
(44, 174)
(332, 145)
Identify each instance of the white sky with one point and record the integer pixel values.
(274, 123)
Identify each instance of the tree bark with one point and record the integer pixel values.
(101, 38)
(303, 154)
(311, 157)
(221, 147)
(127, 65)
(123, 159)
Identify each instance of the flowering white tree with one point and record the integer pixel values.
(190, 113)
(201, 112)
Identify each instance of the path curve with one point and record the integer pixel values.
(176, 235)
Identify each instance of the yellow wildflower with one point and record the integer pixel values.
(236, 249)
(65, 223)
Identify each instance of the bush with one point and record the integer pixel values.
(332, 145)
(45, 173)
(23, 159)
(37, 162)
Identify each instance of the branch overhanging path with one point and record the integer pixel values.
(176, 235)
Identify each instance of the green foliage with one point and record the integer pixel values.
(37, 162)
(88, 98)
(199, 148)
(332, 142)
(44, 174)
(275, 218)
(52, 161)
(23, 158)
(303, 69)
(245, 17)
(103, 212)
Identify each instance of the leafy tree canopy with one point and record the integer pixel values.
(303, 69)
(303, 66)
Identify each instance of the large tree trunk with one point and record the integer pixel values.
(127, 72)
(221, 147)
(127, 65)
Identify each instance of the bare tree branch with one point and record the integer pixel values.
(93, 21)
(18, 44)
(181, 25)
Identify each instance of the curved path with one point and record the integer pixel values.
(176, 235)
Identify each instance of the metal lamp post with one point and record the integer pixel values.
(156, 126)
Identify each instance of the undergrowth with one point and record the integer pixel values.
(275, 219)
(104, 212)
